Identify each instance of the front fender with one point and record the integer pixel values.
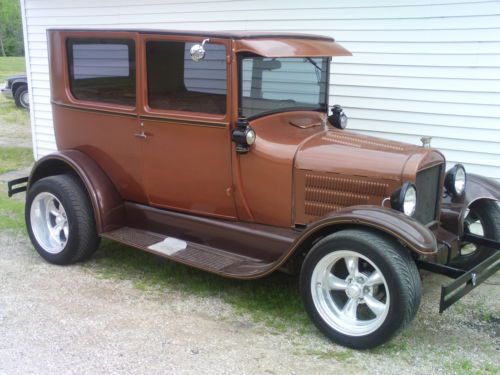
(453, 209)
(106, 202)
(414, 235)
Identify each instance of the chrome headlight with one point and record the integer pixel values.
(455, 180)
(404, 199)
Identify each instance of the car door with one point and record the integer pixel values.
(185, 122)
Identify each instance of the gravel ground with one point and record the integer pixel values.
(69, 320)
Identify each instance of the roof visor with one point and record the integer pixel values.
(291, 47)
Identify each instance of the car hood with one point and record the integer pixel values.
(347, 153)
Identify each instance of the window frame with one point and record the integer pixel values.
(94, 104)
(170, 114)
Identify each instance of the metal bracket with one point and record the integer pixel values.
(479, 240)
(11, 189)
(465, 280)
(452, 292)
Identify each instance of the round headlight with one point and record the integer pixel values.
(455, 180)
(338, 118)
(250, 137)
(405, 199)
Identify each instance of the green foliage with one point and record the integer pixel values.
(11, 29)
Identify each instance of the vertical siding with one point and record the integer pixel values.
(428, 67)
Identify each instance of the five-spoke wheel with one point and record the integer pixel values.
(60, 219)
(49, 222)
(360, 287)
(350, 292)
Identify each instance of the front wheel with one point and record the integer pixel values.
(482, 219)
(360, 288)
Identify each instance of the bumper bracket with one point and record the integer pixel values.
(17, 186)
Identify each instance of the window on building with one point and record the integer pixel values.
(176, 82)
(102, 70)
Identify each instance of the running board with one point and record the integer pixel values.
(195, 255)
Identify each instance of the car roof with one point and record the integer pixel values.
(214, 34)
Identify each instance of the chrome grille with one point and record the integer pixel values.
(428, 189)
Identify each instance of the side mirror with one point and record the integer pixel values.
(198, 51)
(338, 118)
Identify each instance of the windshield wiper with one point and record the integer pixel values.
(317, 70)
(314, 63)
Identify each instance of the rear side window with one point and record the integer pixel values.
(102, 70)
(176, 82)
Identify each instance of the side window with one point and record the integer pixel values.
(102, 70)
(175, 82)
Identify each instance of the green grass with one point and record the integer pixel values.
(274, 300)
(14, 158)
(11, 210)
(9, 113)
(10, 66)
(466, 367)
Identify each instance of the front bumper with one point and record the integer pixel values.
(465, 280)
(7, 92)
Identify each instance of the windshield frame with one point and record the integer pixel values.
(239, 59)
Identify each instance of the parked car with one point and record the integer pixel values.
(16, 87)
(218, 150)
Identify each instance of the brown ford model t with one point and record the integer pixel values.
(218, 150)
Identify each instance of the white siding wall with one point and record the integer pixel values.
(420, 67)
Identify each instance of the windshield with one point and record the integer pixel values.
(270, 85)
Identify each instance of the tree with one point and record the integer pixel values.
(11, 29)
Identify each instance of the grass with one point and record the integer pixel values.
(466, 367)
(274, 300)
(9, 113)
(14, 158)
(11, 210)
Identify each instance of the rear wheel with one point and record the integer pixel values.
(60, 220)
(21, 97)
(482, 219)
(360, 288)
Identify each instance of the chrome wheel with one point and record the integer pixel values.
(25, 99)
(350, 293)
(49, 222)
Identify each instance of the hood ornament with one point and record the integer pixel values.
(426, 141)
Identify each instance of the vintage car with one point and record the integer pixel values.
(16, 87)
(218, 150)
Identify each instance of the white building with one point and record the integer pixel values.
(420, 67)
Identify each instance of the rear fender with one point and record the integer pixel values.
(107, 204)
(453, 210)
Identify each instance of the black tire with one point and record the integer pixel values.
(487, 212)
(82, 239)
(20, 96)
(397, 267)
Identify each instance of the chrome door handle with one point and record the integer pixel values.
(141, 135)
